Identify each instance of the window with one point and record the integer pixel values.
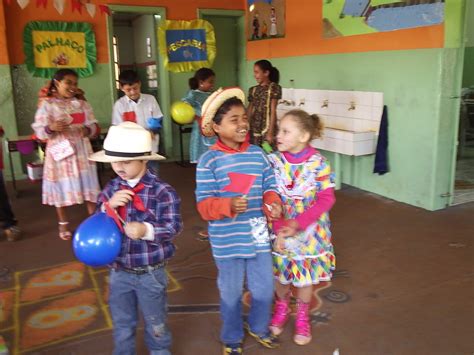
(116, 62)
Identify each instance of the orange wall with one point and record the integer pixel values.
(304, 36)
(3, 39)
(16, 20)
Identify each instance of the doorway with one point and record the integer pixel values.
(464, 174)
(133, 45)
(230, 44)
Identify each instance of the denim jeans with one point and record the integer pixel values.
(230, 281)
(148, 292)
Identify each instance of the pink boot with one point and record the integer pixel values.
(302, 325)
(281, 313)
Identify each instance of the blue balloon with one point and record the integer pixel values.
(97, 240)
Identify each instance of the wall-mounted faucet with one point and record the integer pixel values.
(286, 102)
(325, 104)
(352, 106)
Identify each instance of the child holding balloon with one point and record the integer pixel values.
(236, 194)
(148, 211)
(139, 108)
(201, 86)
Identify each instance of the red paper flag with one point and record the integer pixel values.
(76, 5)
(104, 9)
(113, 214)
(43, 3)
(240, 183)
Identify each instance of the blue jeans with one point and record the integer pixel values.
(230, 281)
(147, 291)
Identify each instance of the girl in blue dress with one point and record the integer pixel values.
(201, 86)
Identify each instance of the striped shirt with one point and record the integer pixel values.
(162, 211)
(233, 237)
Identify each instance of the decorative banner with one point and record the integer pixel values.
(23, 3)
(187, 45)
(43, 3)
(49, 46)
(266, 19)
(76, 5)
(59, 6)
(104, 9)
(90, 9)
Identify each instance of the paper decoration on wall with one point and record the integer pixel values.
(266, 19)
(59, 6)
(187, 45)
(104, 9)
(90, 9)
(49, 46)
(76, 5)
(23, 3)
(356, 17)
(43, 3)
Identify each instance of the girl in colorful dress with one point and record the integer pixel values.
(67, 123)
(303, 254)
(263, 99)
(201, 85)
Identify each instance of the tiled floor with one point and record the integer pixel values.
(403, 284)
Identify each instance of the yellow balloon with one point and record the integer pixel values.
(182, 112)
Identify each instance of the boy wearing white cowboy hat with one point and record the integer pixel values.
(149, 211)
(234, 184)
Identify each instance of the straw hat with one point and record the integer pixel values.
(126, 141)
(213, 103)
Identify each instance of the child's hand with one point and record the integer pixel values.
(238, 204)
(135, 230)
(58, 126)
(287, 231)
(276, 211)
(121, 198)
(279, 244)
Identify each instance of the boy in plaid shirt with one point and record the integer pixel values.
(147, 210)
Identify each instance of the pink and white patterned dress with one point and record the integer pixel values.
(73, 179)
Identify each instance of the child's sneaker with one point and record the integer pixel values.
(233, 349)
(302, 325)
(281, 313)
(13, 233)
(268, 340)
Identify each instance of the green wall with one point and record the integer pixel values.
(7, 118)
(422, 116)
(97, 87)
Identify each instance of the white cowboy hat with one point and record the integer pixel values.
(213, 103)
(126, 141)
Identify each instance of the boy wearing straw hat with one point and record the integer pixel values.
(148, 211)
(236, 194)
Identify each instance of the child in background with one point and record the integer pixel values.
(303, 253)
(150, 209)
(67, 122)
(139, 108)
(263, 100)
(201, 86)
(238, 230)
(7, 218)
